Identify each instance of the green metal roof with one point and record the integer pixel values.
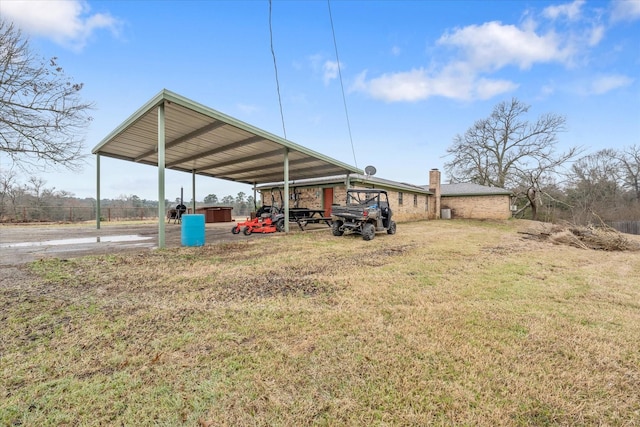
(206, 142)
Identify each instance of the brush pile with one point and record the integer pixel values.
(602, 237)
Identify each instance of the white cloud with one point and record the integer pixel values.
(396, 51)
(625, 10)
(572, 11)
(66, 22)
(488, 88)
(404, 86)
(596, 34)
(492, 45)
(480, 50)
(563, 34)
(417, 85)
(604, 84)
(329, 71)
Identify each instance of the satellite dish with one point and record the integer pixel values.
(370, 170)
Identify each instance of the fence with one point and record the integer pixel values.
(629, 227)
(76, 214)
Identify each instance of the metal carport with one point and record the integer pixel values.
(173, 132)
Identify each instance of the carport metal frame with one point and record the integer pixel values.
(173, 132)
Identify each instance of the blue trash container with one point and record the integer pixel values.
(193, 230)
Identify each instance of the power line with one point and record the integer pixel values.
(275, 66)
(344, 99)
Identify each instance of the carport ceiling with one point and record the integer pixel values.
(206, 142)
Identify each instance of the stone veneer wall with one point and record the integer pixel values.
(307, 198)
(406, 212)
(311, 197)
(478, 207)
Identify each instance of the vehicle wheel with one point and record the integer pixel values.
(235, 230)
(392, 228)
(368, 231)
(280, 225)
(335, 228)
(246, 231)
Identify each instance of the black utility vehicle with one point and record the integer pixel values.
(366, 211)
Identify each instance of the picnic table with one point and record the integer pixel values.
(304, 216)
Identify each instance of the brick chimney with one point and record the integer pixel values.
(434, 187)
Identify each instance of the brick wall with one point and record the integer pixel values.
(436, 199)
(411, 209)
(478, 207)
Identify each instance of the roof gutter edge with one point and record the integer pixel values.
(153, 102)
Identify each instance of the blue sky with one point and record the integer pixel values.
(415, 73)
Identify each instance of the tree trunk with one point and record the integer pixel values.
(532, 195)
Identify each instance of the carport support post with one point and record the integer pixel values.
(255, 202)
(286, 190)
(193, 191)
(161, 162)
(98, 191)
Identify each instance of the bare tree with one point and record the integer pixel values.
(595, 186)
(493, 148)
(507, 151)
(629, 159)
(42, 118)
(12, 194)
(7, 182)
(538, 181)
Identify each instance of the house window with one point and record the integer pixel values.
(415, 200)
(426, 204)
(400, 198)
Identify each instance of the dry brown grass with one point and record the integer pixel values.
(445, 323)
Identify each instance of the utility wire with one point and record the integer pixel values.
(344, 99)
(275, 66)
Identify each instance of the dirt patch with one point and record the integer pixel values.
(271, 285)
(376, 257)
(16, 279)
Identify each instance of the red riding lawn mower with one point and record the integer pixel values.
(268, 220)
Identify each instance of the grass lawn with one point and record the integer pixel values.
(444, 323)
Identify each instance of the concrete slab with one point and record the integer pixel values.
(25, 243)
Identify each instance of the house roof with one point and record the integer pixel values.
(446, 190)
(470, 189)
(353, 178)
(203, 141)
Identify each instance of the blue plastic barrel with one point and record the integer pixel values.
(193, 230)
